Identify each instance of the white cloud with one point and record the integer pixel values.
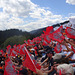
(17, 7)
(43, 22)
(25, 15)
(72, 17)
(14, 22)
(70, 2)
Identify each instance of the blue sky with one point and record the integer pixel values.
(28, 15)
(56, 6)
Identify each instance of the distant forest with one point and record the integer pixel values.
(11, 35)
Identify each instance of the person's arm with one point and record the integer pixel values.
(15, 63)
(39, 72)
(52, 45)
(44, 69)
(49, 70)
(71, 59)
(40, 59)
(69, 55)
(68, 47)
(70, 42)
(65, 50)
(18, 68)
(73, 65)
(44, 61)
(64, 42)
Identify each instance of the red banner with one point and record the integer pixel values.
(8, 51)
(70, 32)
(47, 38)
(9, 68)
(57, 35)
(58, 48)
(49, 30)
(30, 62)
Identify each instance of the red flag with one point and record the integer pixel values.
(44, 32)
(1, 51)
(70, 32)
(8, 51)
(59, 72)
(35, 48)
(57, 35)
(73, 49)
(60, 29)
(58, 48)
(42, 36)
(25, 42)
(29, 63)
(22, 50)
(45, 43)
(18, 48)
(36, 52)
(49, 30)
(9, 68)
(13, 53)
(30, 42)
(37, 40)
(47, 38)
(14, 46)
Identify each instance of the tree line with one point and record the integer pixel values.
(13, 36)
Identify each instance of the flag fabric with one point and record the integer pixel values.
(70, 32)
(30, 42)
(18, 48)
(57, 35)
(29, 62)
(45, 43)
(47, 39)
(14, 46)
(8, 50)
(42, 36)
(60, 72)
(13, 53)
(9, 68)
(22, 50)
(73, 49)
(44, 32)
(58, 48)
(1, 51)
(49, 30)
(60, 29)
(37, 40)
(25, 41)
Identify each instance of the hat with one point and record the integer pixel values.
(32, 49)
(57, 56)
(65, 69)
(50, 51)
(2, 62)
(46, 47)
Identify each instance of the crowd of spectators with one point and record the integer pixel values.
(51, 63)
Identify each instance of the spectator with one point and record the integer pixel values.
(50, 60)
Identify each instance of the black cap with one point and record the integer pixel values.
(50, 51)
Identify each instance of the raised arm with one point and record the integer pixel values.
(44, 61)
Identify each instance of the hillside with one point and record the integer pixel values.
(4, 35)
(38, 32)
(12, 32)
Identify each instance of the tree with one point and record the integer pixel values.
(14, 40)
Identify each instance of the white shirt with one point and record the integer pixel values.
(63, 47)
